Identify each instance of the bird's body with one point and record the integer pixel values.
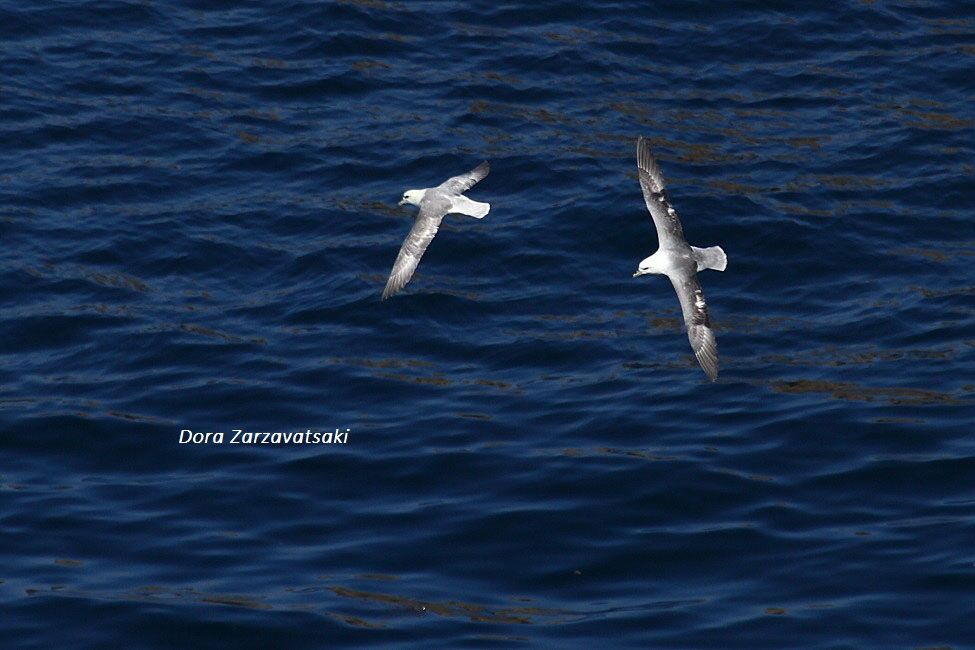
(434, 203)
(679, 261)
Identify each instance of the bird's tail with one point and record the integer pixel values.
(476, 209)
(710, 258)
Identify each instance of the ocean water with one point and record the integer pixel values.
(197, 217)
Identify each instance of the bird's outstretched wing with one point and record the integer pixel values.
(696, 320)
(424, 229)
(464, 182)
(652, 182)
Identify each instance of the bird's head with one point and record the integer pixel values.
(413, 197)
(648, 266)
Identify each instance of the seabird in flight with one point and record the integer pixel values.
(679, 261)
(434, 203)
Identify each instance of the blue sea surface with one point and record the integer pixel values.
(198, 215)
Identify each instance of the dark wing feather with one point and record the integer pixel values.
(464, 182)
(424, 229)
(664, 216)
(696, 320)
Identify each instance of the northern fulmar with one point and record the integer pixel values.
(679, 261)
(434, 203)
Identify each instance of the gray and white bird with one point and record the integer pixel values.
(434, 203)
(679, 261)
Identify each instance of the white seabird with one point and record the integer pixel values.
(434, 203)
(679, 261)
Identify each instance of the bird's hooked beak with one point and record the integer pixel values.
(402, 202)
(638, 273)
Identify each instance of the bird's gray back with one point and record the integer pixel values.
(681, 256)
(435, 204)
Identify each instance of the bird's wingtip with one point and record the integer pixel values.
(642, 144)
(646, 161)
(710, 371)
